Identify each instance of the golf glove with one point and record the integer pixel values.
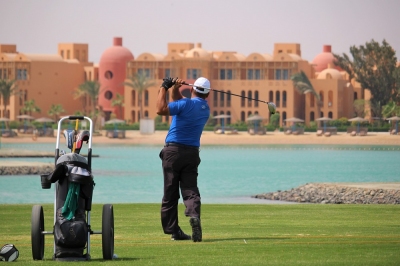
(168, 83)
(271, 107)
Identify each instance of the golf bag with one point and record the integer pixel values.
(73, 198)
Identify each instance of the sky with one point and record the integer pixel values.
(243, 26)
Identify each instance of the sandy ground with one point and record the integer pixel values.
(210, 138)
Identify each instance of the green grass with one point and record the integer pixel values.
(291, 234)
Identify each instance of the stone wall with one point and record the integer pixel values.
(334, 194)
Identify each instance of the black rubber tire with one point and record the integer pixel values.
(37, 238)
(107, 232)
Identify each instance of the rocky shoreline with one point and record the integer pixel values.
(334, 194)
(27, 170)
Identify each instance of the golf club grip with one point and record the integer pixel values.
(74, 117)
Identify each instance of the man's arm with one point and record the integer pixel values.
(162, 105)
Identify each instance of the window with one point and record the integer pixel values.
(215, 97)
(285, 74)
(277, 74)
(330, 98)
(242, 101)
(225, 74)
(242, 116)
(278, 98)
(108, 95)
(192, 73)
(144, 71)
(146, 99)
(167, 72)
(228, 99)
(146, 113)
(249, 95)
(271, 96)
(133, 98)
(312, 116)
(108, 74)
(222, 100)
(284, 98)
(312, 100)
(254, 74)
(256, 97)
(321, 96)
(330, 115)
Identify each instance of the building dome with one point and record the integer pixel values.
(324, 59)
(198, 52)
(330, 73)
(116, 53)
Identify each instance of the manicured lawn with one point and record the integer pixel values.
(278, 234)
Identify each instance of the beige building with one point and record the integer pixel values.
(260, 76)
(46, 78)
(52, 79)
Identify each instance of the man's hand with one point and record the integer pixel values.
(168, 83)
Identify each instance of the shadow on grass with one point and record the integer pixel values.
(245, 239)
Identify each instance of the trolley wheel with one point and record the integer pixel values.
(107, 232)
(37, 237)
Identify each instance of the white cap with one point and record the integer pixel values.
(202, 85)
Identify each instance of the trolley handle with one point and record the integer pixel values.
(75, 117)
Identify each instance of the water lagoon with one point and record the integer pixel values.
(227, 174)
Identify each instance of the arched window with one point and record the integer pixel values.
(355, 95)
(242, 116)
(215, 98)
(249, 95)
(242, 102)
(312, 116)
(277, 98)
(248, 113)
(256, 97)
(228, 99)
(146, 113)
(330, 115)
(146, 98)
(228, 120)
(284, 98)
(271, 96)
(330, 98)
(222, 99)
(284, 116)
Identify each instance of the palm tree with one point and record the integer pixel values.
(55, 111)
(390, 109)
(140, 83)
(30, 107)
(7, 89)
(92, 90)
(80, 94)
(118, 101)
(304, 86)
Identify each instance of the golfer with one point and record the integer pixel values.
(180, 155)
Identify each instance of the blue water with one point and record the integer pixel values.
(227, 174)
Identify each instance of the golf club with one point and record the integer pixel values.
(271, 105)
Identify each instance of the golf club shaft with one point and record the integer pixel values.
(230, 94)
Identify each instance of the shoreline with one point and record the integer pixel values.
(242, 138)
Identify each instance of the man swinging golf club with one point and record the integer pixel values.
(180, 155)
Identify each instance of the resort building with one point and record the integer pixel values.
(52, 79)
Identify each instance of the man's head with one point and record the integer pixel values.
(201, 87)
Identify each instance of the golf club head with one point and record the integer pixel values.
(69, 135)
(271, 107)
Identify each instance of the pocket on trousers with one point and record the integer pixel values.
(161, 154)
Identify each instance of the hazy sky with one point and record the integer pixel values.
(244, 26)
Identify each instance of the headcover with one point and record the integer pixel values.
(202, 85)
(9, 253)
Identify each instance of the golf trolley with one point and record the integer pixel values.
(73, 192)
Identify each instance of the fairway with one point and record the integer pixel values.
(293, 234)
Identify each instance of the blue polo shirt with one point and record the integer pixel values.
(189, 118)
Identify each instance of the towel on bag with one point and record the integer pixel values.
(72, 201)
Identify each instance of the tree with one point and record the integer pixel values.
(390, 109)
(91, 89)
(374, 67)
(31, 107)
(140, 83)
(359, 107)
(119, 102)
(80, 94)
(7, 89)
(55, 111)
(304, 86)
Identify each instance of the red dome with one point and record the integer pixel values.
(324, 59)
(116, 53)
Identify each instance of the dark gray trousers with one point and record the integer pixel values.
(180, 172)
